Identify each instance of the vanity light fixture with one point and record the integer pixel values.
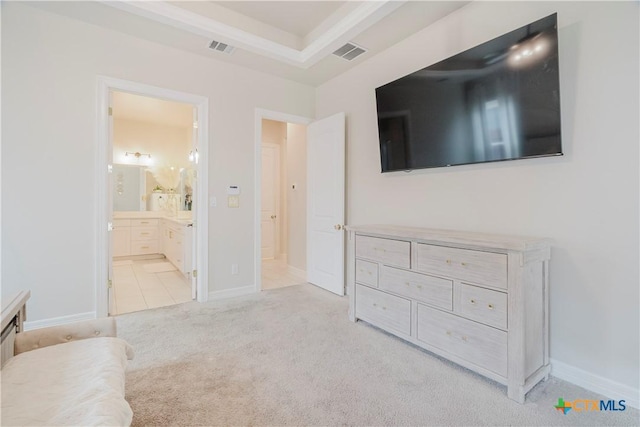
(137, 154)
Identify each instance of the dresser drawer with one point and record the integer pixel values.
(383, 310)
(483, 305)
(144, 248)
(144, 233)
(144, 222)
(483, 268)
(386, 251)
(367, 272)
(479, 344)
(428, 289)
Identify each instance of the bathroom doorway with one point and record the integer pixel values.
(153, 179)
(154, 146)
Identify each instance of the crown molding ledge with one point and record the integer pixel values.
(361, 18)
(367, 14)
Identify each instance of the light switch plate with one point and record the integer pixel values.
(233, 201)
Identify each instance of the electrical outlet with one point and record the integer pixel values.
(234, 268)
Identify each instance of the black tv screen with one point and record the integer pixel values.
(497, 101)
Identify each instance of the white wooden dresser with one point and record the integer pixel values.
(480, 300)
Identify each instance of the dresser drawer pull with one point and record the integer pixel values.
(463, 338)
(379, 249)
(419, 286)
(144, 247)
(490, 306)
(472, 301)
(144, 222)
(144, 233)
(448, 261)
(464, 264)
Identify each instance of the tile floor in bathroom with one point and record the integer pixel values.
(137, 287)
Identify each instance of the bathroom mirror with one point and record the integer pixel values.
(136, 189)
(129, 187)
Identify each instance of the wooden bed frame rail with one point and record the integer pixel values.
(14, 313)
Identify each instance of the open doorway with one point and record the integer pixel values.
(194, 269)
(321, 239)
(153, 182)
(283, 204)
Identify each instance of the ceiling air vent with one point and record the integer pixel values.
(221, 47)
(349, 51)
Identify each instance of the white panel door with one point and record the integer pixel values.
(270, 199)
(325, 207)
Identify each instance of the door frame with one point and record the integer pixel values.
(106, 84)
(260, 114)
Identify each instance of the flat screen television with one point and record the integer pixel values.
(497, 101)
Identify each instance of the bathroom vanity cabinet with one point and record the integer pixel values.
(135, 236)
(121, 235)
(176, 244)
(160, 235)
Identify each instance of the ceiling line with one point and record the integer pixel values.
(361, 18)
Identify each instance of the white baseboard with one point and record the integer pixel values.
(297, 272)
(606, 387)
(231, 293)
(56, 321)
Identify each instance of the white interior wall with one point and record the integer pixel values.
(168, 145)
(297, 198)
(50, 64)
(587, 200)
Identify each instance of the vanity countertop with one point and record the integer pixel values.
(183, 218)
(178, 220)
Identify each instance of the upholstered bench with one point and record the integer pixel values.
(64, 375)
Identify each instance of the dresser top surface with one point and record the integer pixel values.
(500, 242)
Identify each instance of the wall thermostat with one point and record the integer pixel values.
(233, 190)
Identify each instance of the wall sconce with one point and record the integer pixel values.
(193, 156)
(137, 155)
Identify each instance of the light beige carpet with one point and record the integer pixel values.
(291, 357)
